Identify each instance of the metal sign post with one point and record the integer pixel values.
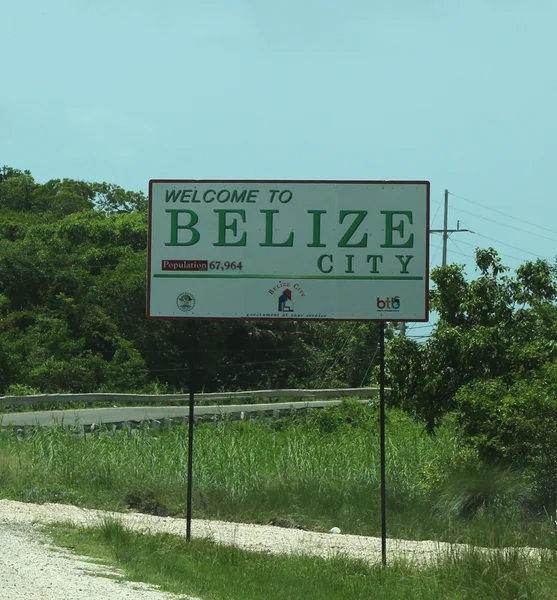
(382, 442)
(192, 365)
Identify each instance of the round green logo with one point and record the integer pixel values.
(185, 302)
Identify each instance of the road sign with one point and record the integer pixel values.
(253, 249)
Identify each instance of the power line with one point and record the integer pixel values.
(436, 213)
(500, 212)
(227, 366)
(339, 353)
(51, 266)
(432, 222)
(461, 252)
(509, 245)
(369, 366)
(501, 253)
(506, 225)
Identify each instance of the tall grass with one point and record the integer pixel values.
(210, 570)
(317, 472)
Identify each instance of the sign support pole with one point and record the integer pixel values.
(192, 366)
(382, 441)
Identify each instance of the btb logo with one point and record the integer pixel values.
(388, 303)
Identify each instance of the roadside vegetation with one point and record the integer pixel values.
(315, 472)
(215, 572)
(472, 419)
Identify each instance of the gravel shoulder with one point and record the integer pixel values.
(260, 538)
(30, 570)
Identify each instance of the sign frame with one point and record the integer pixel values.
(389, 316)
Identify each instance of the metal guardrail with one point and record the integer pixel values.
(213, 397)
(88, 419)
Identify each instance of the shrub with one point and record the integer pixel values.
(516, 425)
(351, 413)
(483, 490)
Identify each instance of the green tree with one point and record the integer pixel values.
(493, 326)
(515, 424)
(72, 317)
(16, 191)
(112, 198)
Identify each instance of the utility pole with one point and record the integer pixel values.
(445, 231)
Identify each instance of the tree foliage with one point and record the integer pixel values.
(492, 360)
(72, 307)
(495, 326)
(514, 424)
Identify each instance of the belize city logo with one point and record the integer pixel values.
(185, 302)
(285, 301)
(283, 293)
(388, 304)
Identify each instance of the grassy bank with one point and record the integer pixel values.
(215, 572)
(313, 472)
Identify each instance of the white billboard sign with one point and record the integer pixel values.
(346, 250)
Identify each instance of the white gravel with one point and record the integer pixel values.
(30, 570)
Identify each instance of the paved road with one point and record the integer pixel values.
(90, 416)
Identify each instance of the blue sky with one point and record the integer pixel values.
(463, 94)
